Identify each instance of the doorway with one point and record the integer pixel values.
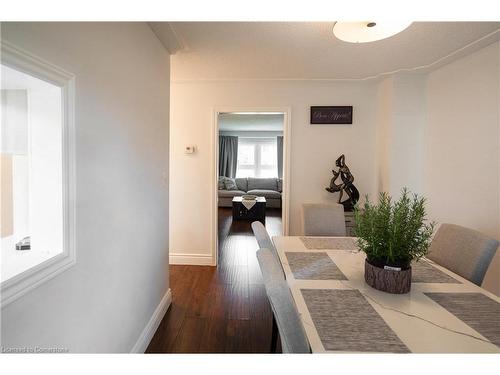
(251, 179)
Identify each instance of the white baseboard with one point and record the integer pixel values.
(147, 333)
(191, 259)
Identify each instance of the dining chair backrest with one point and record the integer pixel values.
(270, 267)
(323, 220)
(293, 338)
(464, 251)
(263, 239)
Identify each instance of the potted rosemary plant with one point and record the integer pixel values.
(392, 234)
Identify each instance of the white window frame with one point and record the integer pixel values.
(25, 62)
(257, 167)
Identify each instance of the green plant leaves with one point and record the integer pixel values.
(393, 232)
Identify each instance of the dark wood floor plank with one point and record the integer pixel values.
(232, 275)
(168, 330)
(220, 309)
(238, 336)
(214, 338)
(254, 274)
(259, 304)
(260, 319)
(239, 301)
(188, 339)
(201, 293)
(260, 337)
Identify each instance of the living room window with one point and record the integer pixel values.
(257, 157)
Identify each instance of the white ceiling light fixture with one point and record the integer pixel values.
(368, 31)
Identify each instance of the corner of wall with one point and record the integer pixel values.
(400, 127)
(383, 133)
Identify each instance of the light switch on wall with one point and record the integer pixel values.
(189, 149)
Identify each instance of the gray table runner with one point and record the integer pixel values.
(424, 272)
(329, 243)
(313, 266)
(345, 321)
(478, 311)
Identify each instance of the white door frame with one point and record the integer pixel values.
(285, 201)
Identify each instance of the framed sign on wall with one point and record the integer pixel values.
(323, 115)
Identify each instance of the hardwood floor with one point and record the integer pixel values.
(220, 309)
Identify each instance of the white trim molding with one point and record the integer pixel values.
(149, 330)
(24, 61)
(191, 259)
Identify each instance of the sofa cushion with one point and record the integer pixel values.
(230, 193)
(241, 183)
(265, 193)
(230, 184)
(262, 183)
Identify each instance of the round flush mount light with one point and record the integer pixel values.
(367, 31)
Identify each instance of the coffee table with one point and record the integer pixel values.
(257, 212)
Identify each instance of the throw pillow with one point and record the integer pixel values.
(230, 184)
(280, 185)
(220, 183)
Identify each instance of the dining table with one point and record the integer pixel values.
(340, 313)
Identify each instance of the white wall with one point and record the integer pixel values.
(383, 140)
(311, 145)
(461, 172)
(250, 122)
(400, 127)
(103, 303)
(439, 135)
(462, 142)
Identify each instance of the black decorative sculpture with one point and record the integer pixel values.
(346, 185)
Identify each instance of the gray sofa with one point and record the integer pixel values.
(270, 188)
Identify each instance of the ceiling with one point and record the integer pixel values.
(250, 122)
(309, 50)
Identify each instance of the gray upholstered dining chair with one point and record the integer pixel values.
(263, 239)
(464, 251)
(323, 220)
(286, 319)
